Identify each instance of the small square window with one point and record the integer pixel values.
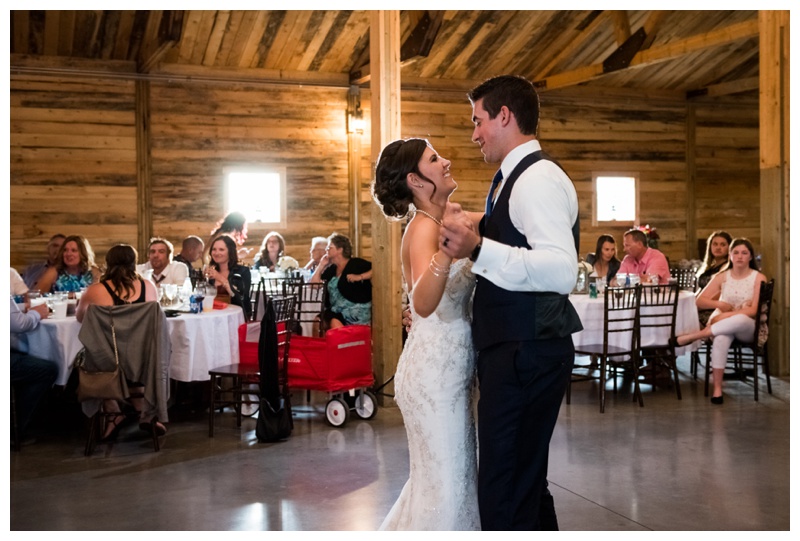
(615, 198)
(259, 193)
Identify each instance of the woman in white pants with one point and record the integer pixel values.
(733, 295)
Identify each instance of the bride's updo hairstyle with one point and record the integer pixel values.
(389, 189)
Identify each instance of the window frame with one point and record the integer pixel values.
(258, 168)
(632, 174)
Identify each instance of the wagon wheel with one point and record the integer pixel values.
(366, 405)
(336, 412)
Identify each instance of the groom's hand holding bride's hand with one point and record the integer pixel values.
(457, 236)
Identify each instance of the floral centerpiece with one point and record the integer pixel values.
(650, 233)
(287, 263)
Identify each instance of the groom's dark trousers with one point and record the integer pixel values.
(522, 385)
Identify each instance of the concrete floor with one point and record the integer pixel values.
(672, 465)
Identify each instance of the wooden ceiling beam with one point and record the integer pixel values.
(422, 36)
(662, 53)
(622, 26)
(425, 27)
(651, 27)
(169, 34)
(587, 29)
(725, 89)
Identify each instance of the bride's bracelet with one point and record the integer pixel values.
(437, 269)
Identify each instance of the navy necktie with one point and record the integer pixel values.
(495, 181)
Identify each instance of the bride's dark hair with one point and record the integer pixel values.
(389, 189)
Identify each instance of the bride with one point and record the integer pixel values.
(435, 375)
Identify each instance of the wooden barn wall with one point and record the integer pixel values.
(73, 158)
(198, 130)
(727, 181)
(72, 163)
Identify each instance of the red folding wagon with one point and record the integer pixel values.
(339, 363)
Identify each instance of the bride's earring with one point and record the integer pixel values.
(412, 183)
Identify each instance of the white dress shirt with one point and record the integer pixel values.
(21, 322)
(18, 286)
(174, 273)
(543, 207)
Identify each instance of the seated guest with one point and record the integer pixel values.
(234, 224)
(18, 286)
(716, 258)
(31, 376)
(191, 250)
(121, 284)
(318, 245)
(606, 264)
(34, 272)
(272, 248)
(231, 279)
(74, 268)
(733, 295)
(643, 260)
(349, 284)
(160, 268)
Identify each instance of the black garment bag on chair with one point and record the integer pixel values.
(275, 413)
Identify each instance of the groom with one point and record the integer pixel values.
(525, 260)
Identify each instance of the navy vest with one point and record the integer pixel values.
(500, 315)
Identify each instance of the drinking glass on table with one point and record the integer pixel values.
(601, 285)
(170, 292)
(184, 293)
(208, 301)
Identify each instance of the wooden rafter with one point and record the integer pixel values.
(586, 30)
(622, 26)
(651, 27)
(169, 33)
(425, 28)
(662, 53)
(725, 89)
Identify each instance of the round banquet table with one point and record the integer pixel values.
(591, 314)
(199, 342)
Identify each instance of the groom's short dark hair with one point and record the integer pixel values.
(515, 92)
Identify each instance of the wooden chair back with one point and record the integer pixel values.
(686, 278)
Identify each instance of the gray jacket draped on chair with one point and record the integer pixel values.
(143, 344)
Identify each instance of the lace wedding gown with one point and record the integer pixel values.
(434, 386)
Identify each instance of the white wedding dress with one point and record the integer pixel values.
(434, 387)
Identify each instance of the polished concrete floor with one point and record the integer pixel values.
(672, 465)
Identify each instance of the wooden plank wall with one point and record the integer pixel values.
(73, 158)
(727, 163)
(199, 129)
(73, 163)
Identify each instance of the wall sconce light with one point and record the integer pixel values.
(355, 120)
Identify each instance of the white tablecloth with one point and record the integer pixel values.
(591, 314)
(199, 342)
(204, 341)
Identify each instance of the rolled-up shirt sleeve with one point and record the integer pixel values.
(544, 207)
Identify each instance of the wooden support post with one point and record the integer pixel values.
(144, 183)
(691, 177)
(386, 275)
(774, 151)
(354, 168)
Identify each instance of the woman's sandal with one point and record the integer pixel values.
(117, 424)
(151, 426)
